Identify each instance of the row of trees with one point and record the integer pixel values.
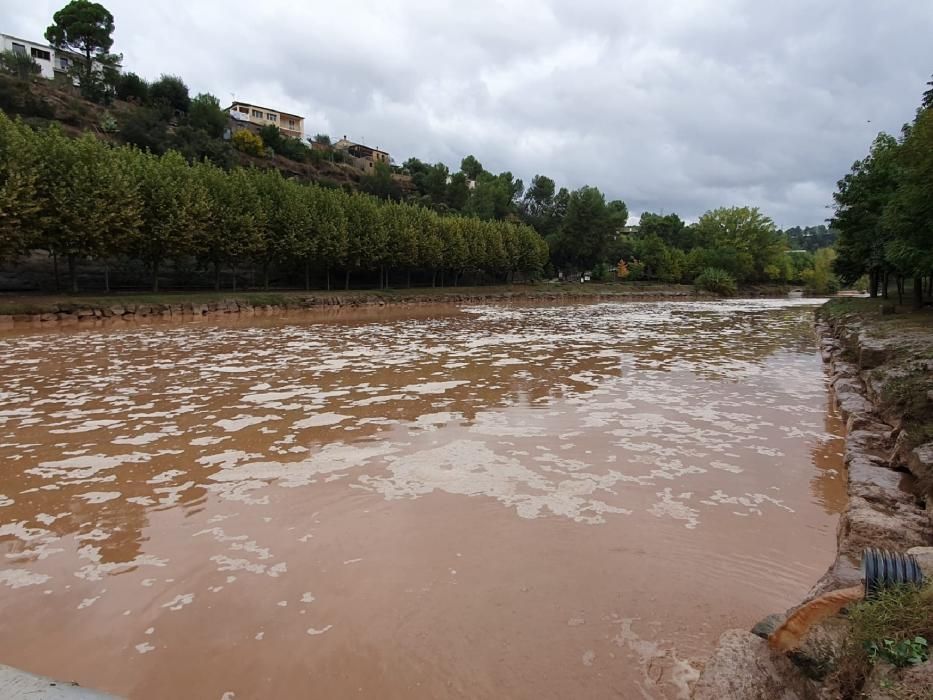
(81, 199)
(884, 210)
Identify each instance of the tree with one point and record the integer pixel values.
(586, 229)
(927, 101)
(458, 192)
(248, 142)
(130, 87)
(322, 139)
(19, 204)
(21, 65)
(175, 207)
(85, 27)
(748, 232)
(170, 93)
(380, 183)
(88, 197)
(205, 113)
(471, 167)
(860, 199)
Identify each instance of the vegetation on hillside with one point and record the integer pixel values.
(884, 211)
(81, 199)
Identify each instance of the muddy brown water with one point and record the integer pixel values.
(488, 502)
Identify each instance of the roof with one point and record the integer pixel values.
(347, 143)
(268, 109)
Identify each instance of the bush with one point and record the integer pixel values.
(170, 91)
(205, 114)
(145, 130)
(717, 281)
(130, 87)
(108, 124)
(248, 142)
(22, 66)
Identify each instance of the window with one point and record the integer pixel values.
(19, 49)
(40, 54)
(244, 110)
(64, 62)
(291, 123)
(272, 117)
(257, 113)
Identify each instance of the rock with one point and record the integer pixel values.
(920, 460)
(924, 557)
(48, 317)
(878, 484)
(872, 352)
(744, 668)
(864, 524)
(117, 310)
(764, 627)
(885, 682)
(85, 313)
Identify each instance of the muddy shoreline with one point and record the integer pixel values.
(885, 470)
(38, 313)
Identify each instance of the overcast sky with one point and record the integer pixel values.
(676, 106)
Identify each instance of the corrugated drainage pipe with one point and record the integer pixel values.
(880, 569)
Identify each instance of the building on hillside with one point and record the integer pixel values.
(289, 124)
(363, 157)
(52, 62)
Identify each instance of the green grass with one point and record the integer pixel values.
(893, 615)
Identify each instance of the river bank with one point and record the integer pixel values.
(41, 310)
(880, 365)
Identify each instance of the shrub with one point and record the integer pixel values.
(131, 87)
(20, 65)
(108, 124)
(170, 91)
(717, 281)
(248, 142)
(145, 130)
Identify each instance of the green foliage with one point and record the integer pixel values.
(900, 653)
(380, 183)
(893, 625)
(170, 93)
(145, 129)
(248, 142)
(82, 199)
(322, 139)
(22, 66)
(820, 278)
(205, 113)
(716, 281)
(108, 124)
(471, 167)
(752, 236)
(86, 28)
(130, 87)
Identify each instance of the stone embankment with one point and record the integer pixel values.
(100, 311)
(890, 505)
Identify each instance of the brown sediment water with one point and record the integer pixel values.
(523, 502)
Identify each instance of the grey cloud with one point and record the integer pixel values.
(682, 106)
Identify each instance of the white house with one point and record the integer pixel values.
(52, 61)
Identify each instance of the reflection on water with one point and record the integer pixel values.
(499, 501)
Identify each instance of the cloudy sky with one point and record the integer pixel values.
(676, 106)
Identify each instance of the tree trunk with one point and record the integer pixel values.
(886, 279)
(900, 290)
(442, 277)
(328, 279)
(918, 293)
(265, 275)
(216, 276)
(73, 272)
(106, 277)
(346, 279)
(307, 275)
(409, 279)
(434, 279)
(155, 275)
(58, 282)
(873, 283)
(233, 267)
